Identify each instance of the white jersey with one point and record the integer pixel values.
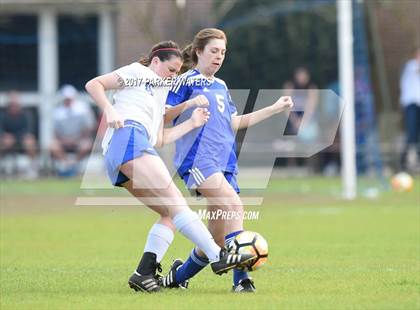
(139, 100)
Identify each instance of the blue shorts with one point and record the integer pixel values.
(126, 143)
(197, 175)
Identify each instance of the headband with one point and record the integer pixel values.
(166, 49)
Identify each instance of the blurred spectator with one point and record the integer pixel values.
(410, 101)
(74, 123)
(305, 96)
(368, 153)
(304, 93)
(16, 135)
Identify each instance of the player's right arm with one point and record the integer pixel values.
(179, 99)
(199, 117)
(96, 89)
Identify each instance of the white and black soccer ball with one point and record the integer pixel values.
(249, 242)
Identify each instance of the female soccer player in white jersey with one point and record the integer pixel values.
(135, 126)
(206, 157)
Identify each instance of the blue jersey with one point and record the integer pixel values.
(214, 143)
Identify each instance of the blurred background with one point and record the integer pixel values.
(49, 127)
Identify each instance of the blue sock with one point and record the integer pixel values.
(191, 267)
(238, 275)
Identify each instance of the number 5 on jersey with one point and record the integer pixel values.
(220, 102)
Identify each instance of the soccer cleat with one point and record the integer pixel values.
(146, 283)
(169, 280)
(228, 261)
(244, 286)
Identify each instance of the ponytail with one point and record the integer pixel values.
(188, 57)
(144, 61)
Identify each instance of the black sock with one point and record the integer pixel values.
(147, 264)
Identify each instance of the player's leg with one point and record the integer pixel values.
(160, 235)
(159, 238)
(216, 224)
(241, 280)
(221, 196)
(232, 225)
(127, 144)
(197, 260)
(155, 188)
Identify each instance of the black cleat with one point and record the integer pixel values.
(169, 280)
(145, 278)
(228, 261)
(244, 286)
(144, 283)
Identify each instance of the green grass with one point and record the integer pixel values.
(325, 253)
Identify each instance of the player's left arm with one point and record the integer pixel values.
(250, 119)
(173, 112)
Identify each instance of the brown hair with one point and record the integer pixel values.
(201, 39)
(163, 50)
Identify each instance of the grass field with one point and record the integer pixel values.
(325, 253)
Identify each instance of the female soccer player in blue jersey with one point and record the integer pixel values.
(205, 157)
(135, 126)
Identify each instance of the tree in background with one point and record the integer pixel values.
(268, 39)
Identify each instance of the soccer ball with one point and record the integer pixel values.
(249, 242)
(402, 182)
